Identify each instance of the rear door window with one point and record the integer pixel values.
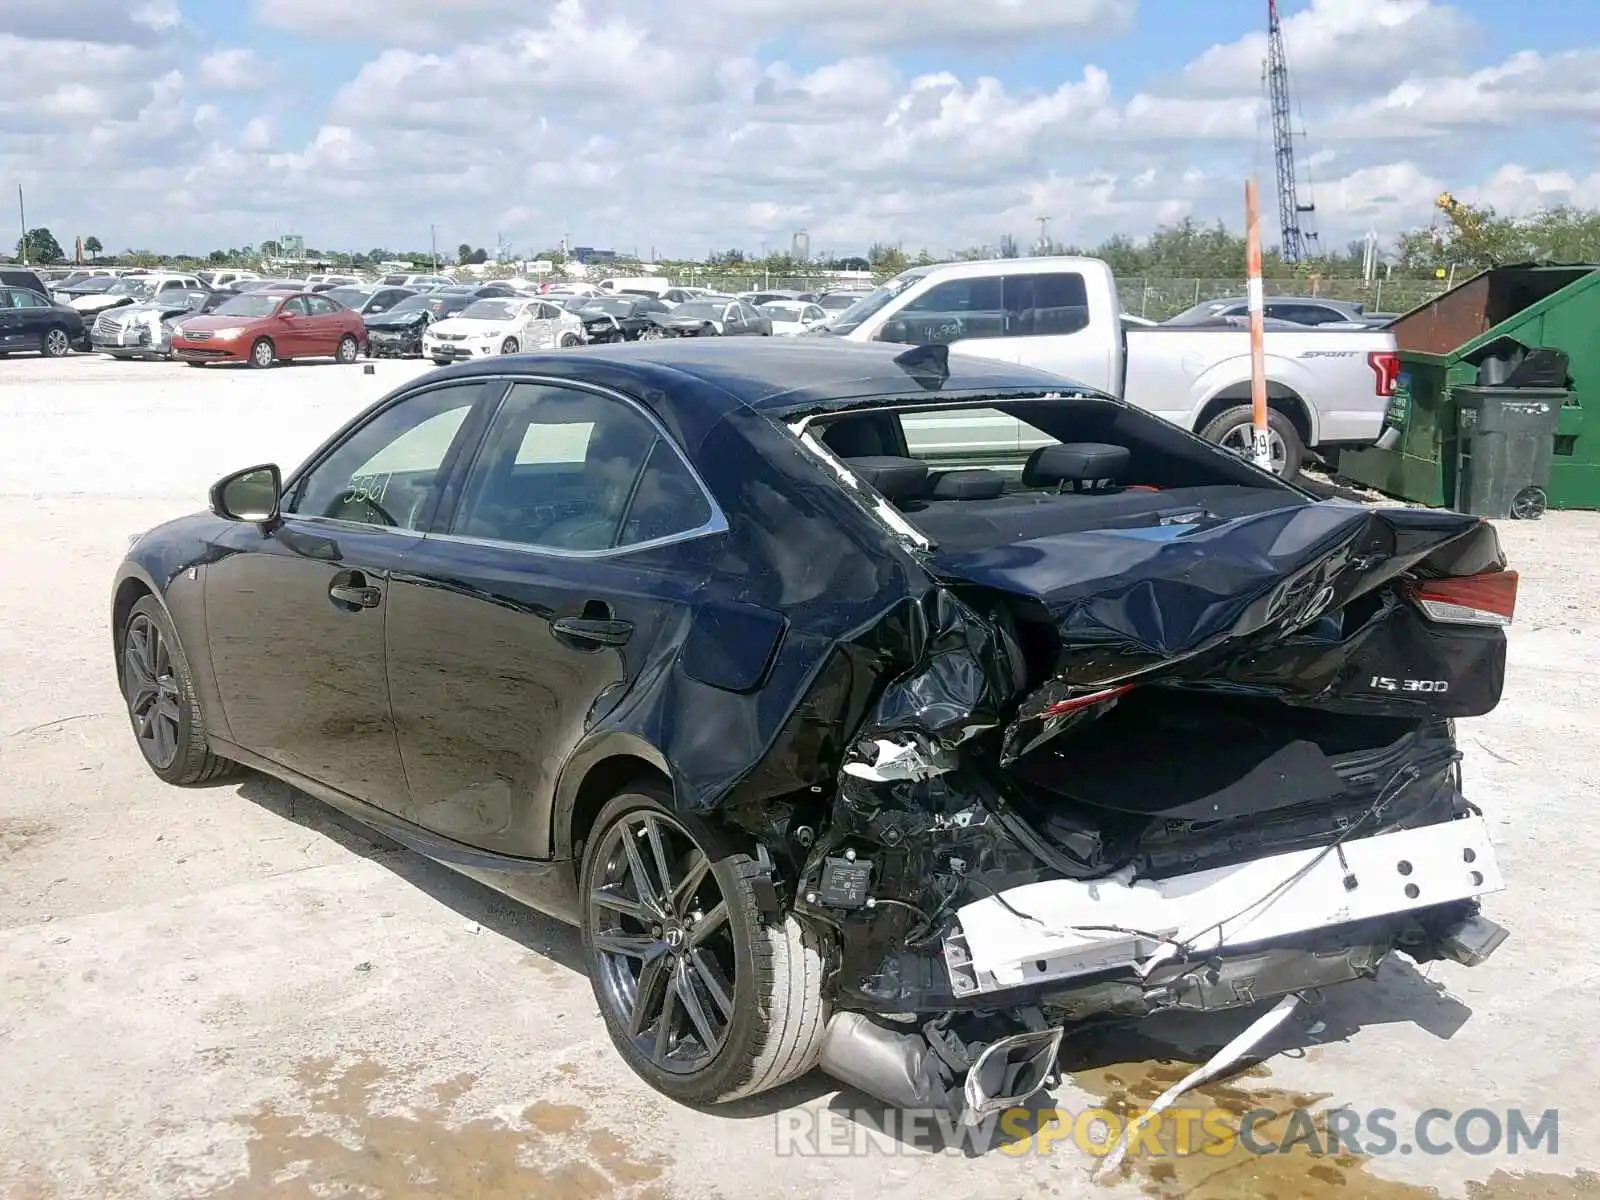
(571, 471)
(1046, 305)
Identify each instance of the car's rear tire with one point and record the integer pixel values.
(349, 349)
(441, 362)
(263, 354)
(1231, 429)
(765, 1026)
(55, 343)
(158, 690)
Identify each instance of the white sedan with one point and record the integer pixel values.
(790, 317)
(501, 325)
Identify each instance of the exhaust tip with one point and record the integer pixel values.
(1011, 1071)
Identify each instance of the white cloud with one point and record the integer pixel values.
(1336, 45)
(1525, 87)
(621, 123)
(233, 70)
(831, 24)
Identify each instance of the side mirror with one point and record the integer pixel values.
(249, 495)
(892, 331)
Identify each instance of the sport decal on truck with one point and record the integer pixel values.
(1327, 354)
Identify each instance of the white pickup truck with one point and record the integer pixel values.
(1327, 388)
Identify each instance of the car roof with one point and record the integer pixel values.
(777, 376)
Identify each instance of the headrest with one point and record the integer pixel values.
(969, 485)
(894, 478)
(1076, 463)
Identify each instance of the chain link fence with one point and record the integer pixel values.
(1154, 299)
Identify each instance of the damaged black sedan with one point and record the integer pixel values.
(850, 734)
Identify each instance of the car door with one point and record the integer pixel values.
(327, 326)
(295, 615)
(11, 318)
(521, 624)
(34, 317)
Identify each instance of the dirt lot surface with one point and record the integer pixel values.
(232, 992)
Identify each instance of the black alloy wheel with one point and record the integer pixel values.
(162, 706)
(151, 688)
(707, 997)
(662, 942)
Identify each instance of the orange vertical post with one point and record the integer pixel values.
(1260, 441)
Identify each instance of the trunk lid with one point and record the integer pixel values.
(1310, 604)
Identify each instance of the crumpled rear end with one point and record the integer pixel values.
(1173, 767)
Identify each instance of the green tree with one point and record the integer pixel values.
(1008, 247)
(890, 260)
(269, 249)
(92, 246)
(40, 246)
(464, 253)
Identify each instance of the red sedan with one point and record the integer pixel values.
(262, 328)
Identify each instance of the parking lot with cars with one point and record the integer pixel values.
(234, 991)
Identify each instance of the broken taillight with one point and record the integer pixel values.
(1385, 365)
(1074, 703)
(1487, 599)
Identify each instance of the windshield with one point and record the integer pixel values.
(349, 297)
(703, 309)
(492, 310)
(839, 301)
(413, 303)
(854, 316)
(248, 306)
(95, 283)
(617, 308)
(785, 310)
(129, 287)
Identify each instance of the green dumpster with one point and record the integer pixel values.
(1472, 336)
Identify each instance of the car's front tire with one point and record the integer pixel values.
(158, 689)
(263, 354)
(707, 1000)
(510, 346)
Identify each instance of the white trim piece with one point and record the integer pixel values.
(1079, 927)
(1256, 295)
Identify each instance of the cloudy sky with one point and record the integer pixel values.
(688, 125)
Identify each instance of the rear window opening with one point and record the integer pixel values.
(974, 474)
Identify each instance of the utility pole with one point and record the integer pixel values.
(433, 241)
(23, 213)
(1044, 234)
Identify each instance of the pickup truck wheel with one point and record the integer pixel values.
(1231, 430)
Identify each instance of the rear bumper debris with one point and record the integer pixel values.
(1064, 929)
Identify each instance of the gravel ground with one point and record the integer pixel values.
(233, 992)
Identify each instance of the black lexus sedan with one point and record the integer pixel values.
(823, 682)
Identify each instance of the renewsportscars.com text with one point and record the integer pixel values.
(1178, 1131)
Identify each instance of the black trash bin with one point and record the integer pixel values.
(1505, 439)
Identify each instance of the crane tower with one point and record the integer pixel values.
(1299, 238)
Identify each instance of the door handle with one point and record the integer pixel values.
(352, 588)
(601, 631)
